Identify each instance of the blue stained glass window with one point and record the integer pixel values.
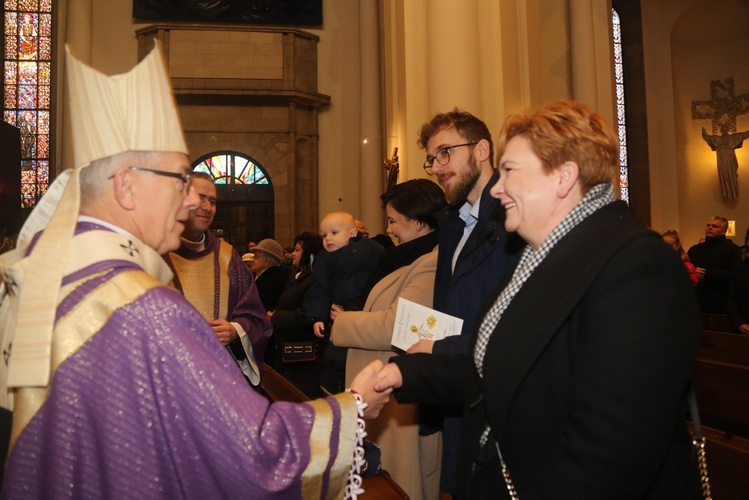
(231, 167)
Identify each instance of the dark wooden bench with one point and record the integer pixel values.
(716, 322)
(721, 384)
(379, 487)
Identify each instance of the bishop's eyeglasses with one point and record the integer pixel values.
(185, 178)
(442, 156)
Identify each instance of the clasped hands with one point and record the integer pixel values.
(374, 384)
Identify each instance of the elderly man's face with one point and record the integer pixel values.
(161, 205)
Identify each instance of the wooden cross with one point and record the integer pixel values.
(723, 106)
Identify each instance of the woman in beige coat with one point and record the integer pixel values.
(405, 271)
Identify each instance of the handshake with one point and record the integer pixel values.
(374, 384)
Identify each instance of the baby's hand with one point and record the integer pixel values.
(319, 329)
(335, 310)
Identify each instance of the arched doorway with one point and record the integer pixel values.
(244, 211)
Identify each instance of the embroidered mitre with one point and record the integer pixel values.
(134, 111)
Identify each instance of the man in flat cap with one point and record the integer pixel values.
(211, 275)
(119, 387)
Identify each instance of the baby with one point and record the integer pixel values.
(340, 273)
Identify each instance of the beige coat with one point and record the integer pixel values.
(367, 333)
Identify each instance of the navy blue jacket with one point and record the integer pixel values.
(485, 258)
(482, 262)
(339, 277)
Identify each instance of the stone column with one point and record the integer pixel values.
(371, 153)
(592, 56)
(453, 66)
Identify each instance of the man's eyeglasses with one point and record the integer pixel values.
(442, 156)
(185, 178)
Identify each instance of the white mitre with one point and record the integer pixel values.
(134, 111)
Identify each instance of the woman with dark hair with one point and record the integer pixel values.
(290, 322)
(407, 271)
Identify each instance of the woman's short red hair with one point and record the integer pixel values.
(563, 131)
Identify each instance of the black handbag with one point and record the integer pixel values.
(299, 352)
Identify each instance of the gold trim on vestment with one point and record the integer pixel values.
(319, 442)
(197, 279)
(73, 330)
(86, 249)
(346, 445)
(319, 449)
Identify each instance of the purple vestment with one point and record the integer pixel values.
(153, 406)
(244, 304)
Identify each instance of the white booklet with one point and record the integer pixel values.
(414, 322)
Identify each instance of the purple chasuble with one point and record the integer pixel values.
(152, 406)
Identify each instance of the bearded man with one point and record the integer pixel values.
(475, 251)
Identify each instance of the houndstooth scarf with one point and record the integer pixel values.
(599, 196)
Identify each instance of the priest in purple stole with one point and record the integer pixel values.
(119, 387)
(213, 278)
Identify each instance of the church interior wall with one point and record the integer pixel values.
(103, 34)
(686, 45)
(526, 62)
(340, 136)
(694, 68)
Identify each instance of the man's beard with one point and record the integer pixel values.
(457, 193)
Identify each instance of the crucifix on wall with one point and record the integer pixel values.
(722, 109)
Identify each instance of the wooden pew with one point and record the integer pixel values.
(722, 346)
(721, 384)
(379, 487)
(716, 322)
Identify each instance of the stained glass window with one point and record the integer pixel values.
(231, 168)
(621, 124)
(26, 103)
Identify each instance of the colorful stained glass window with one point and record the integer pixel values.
(622, 126)
(27, 84)
(231, 168)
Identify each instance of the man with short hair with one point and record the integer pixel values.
(121, 388)
(715, 258)
(210, 274)
(475, 250)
